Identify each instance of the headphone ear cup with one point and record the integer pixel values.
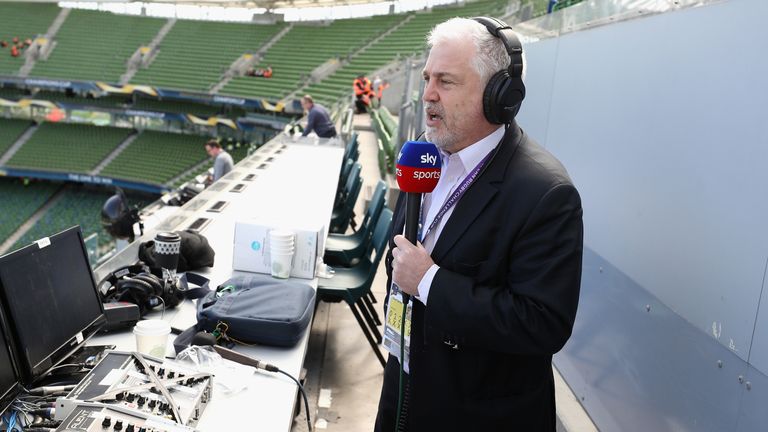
(154, 282)
(172, 296)
(135, 291)
(512, 96)
(493, 97)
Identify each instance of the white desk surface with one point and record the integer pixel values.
(299, 183)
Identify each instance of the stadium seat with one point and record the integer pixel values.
(73, 148)
(94, 45)
(157, 157)
(10, 131)
(345, 249)
(343, 210)
(22, 20)
(353, 284)
(195, 54)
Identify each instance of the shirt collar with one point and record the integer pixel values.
(471, 155)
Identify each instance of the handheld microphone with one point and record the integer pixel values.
(417, 171)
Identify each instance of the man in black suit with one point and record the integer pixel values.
(495, 281)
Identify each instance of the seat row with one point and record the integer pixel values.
(355, 256)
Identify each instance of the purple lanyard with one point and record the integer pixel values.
(454, 198)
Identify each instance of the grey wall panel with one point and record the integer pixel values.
(754, 415)
(539, 75)
(661, 122)
(638, 366)
(758, 354)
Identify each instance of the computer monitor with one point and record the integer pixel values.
(9, 376)
(52, 302)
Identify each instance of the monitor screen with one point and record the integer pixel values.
(9, 379)
(53, 306)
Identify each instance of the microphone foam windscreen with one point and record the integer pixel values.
(418, 167)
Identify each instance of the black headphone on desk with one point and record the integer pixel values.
(138, 285)
(505, 91)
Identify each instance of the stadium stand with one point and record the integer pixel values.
(157, 157)
(306, 47)
(22, 20)
(94, 45)
(178, 107)
(10, 131)
(68, 147)
(406, 40)
(12, 93)
(195, 54)
(20, 201)
(119, 102)
(127, 102)
(77, 205)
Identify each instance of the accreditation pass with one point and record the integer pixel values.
(393, 324)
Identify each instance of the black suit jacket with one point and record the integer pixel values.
(503, 301)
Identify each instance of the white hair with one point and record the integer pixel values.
(491, 55)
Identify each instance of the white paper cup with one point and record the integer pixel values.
(278, 234)
(281, 237)
(282, 249)
(281, 265)
(152, 337)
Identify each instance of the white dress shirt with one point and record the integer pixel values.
(454, 169)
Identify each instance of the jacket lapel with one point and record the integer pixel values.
(480, 193)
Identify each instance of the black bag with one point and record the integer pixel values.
(258, 309)
(194, 252)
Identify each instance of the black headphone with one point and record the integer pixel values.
(138, 285)
(505, 90)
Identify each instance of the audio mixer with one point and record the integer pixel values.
(95, 417)
(149, 387)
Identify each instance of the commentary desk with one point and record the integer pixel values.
(292, 180)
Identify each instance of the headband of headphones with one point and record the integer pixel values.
(512, 44)
(130, 270)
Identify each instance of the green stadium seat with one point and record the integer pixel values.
(93, 45)
(20, 202)
(195, 54)
(22, 20)
(68, 147)
(10, 130)
(157, 157)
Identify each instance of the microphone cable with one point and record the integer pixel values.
(237, 357)
(401, 387)
(303, 395)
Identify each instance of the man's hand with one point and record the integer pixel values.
(409, 264)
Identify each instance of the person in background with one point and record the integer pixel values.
(363, 92)
(266, 73)
(379, 86)
(377, 82)
(318, 119)
(222, 161)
